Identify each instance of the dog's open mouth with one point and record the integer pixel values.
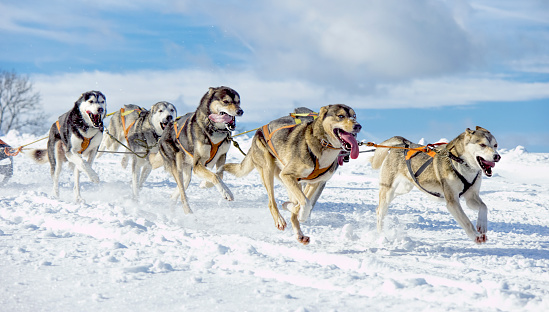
(348, 142)
(228, 120)
(486, 166)
(95, 119)
(164, 124)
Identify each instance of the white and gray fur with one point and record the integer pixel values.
(144, 129)
(83, 121)
(455, 171)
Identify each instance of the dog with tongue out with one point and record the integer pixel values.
(303, 151)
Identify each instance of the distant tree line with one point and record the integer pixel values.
(20, 107)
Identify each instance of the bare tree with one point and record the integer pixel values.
(20, 107)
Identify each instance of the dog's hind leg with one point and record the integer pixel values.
(266, 171)
(56, 162)
(386, 195)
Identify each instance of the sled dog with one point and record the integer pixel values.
(447, 172)
(303, 153)
(75, 135)
(140, 129)
(6, 163)
(198, 141)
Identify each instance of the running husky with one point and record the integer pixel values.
(448, 171)
(140, 129)
(303, 154)
(199, 141)
(76, 134)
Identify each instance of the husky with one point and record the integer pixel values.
(303, 154)
(198, 141)
(6, 163)
(140, 129)
(75, 135)
(446, 172)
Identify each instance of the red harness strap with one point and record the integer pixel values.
(85, 141)
(214, 147)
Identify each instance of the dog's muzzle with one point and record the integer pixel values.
(97, 121)
(488, 165)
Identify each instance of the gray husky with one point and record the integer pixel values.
(447, 172)
(140, 129)
(75, 135)
(198, 141)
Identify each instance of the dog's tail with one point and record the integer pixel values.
(38, 155)
(239, 170)
(382, 152)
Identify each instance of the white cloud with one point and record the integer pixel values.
(262, 100)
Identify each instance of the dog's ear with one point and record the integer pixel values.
(481, 129)
(323, 111)
(211, 91)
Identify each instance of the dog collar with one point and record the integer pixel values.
(327, 144)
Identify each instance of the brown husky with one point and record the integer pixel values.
(196, 142)
(303, 155)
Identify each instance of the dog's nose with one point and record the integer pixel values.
(239, 112)
(497, 157)
(100, 111)
(169, 118)
(357, 127)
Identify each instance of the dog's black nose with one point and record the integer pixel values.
(357, 127)
(239, 112)
(169, 118)
(497, 157)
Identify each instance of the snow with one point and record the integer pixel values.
(113, 253)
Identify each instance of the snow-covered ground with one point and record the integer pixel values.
(114, 254)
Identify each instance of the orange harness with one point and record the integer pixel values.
(123, 114)
(213, 149)
(268, 137)
(85, 141)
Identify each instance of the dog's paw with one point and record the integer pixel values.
(304, 212)
(93, 177)
(280, 223)
(225, 192)
(289, 206)
(481, 239)
(305, 240)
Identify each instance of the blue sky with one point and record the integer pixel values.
(419, 69)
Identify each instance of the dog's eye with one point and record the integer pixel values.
(483, 145)
(495, 146)
(160, 111)
(225, 101)
(340, 116)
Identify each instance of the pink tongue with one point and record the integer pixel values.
(347, 137)
(489, 163)
(225, 118)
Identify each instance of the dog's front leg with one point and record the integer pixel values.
(83, 166)
(202, 172)
(77, 197)
(136, 170)
(293, 187)
(473, 201)
(453, 206)
(220, 162)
